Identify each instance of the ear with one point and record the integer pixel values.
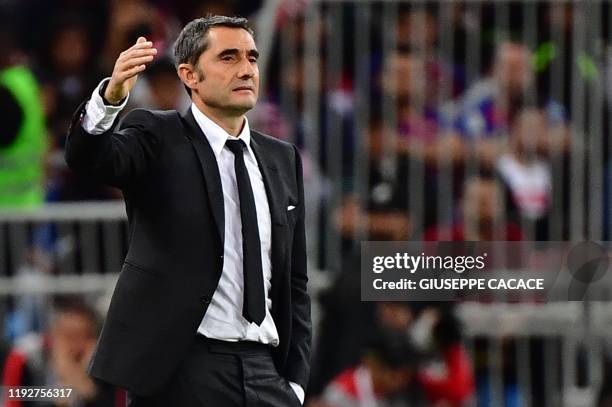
(188, 75)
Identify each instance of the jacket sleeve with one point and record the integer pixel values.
(298, 361)
(117, 157)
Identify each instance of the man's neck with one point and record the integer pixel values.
(232, 124)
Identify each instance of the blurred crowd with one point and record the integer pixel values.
(428, 145)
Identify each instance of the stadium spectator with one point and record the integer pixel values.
(526, 176)
(67, 69)
(481, 215)
(326, 124)
(422, 133)
(418, 27)
(447, 379)
(384, 214)
(418, 126)
(344, 330)
(485, 110)
(23, 134)
(59, 357)
(385, 376)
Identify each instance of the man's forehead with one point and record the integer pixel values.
(230, 37)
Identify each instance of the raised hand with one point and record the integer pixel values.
(130, 63)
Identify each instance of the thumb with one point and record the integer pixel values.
(140, 39)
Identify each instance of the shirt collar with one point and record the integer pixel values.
(215, 134)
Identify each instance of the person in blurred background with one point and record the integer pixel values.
(425, 139)
(332, 111)
(422, 133)
(59, 357)
(481, 215)
(23, 148)
(418, 27)
(22, 134)
(526, 176)
(484, 113)
(344, 329)
(447, 378)
(384, 377)
(68, 68)
(382, 214)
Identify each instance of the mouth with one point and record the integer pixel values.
(243, 88)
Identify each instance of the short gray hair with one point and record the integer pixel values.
(193, 39)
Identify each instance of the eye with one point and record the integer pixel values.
(253, 60)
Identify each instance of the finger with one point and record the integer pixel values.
(140, 40)
(138, 53)
(135, 62)
(138, 45)
(132, 72)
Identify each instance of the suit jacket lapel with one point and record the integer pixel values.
(210, 169)
(278, 215)
(272, 181)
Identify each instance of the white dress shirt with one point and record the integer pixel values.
(223, 319)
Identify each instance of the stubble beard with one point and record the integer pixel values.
(238, 109)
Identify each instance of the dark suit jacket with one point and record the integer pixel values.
(169, 176)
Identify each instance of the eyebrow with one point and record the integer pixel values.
(236, 51)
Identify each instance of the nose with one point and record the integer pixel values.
(247, 70)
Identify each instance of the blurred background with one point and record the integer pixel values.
(417, 120)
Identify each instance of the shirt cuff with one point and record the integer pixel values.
(297, 389)
(99, 117)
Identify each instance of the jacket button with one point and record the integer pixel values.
(205, 299)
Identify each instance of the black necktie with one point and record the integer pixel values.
(254, 307)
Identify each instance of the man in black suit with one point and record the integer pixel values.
(211, 306)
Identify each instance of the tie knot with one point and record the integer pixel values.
(235, 146)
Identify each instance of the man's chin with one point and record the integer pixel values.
(243, 105)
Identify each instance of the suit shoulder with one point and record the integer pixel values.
(150, 114)
(272, 142)
(165, 114)
(156, 119)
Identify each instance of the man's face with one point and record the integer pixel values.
(530, 127)
(227, 72)
(405, 75)
(513, 68)
(481, 203)
(73, 333)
